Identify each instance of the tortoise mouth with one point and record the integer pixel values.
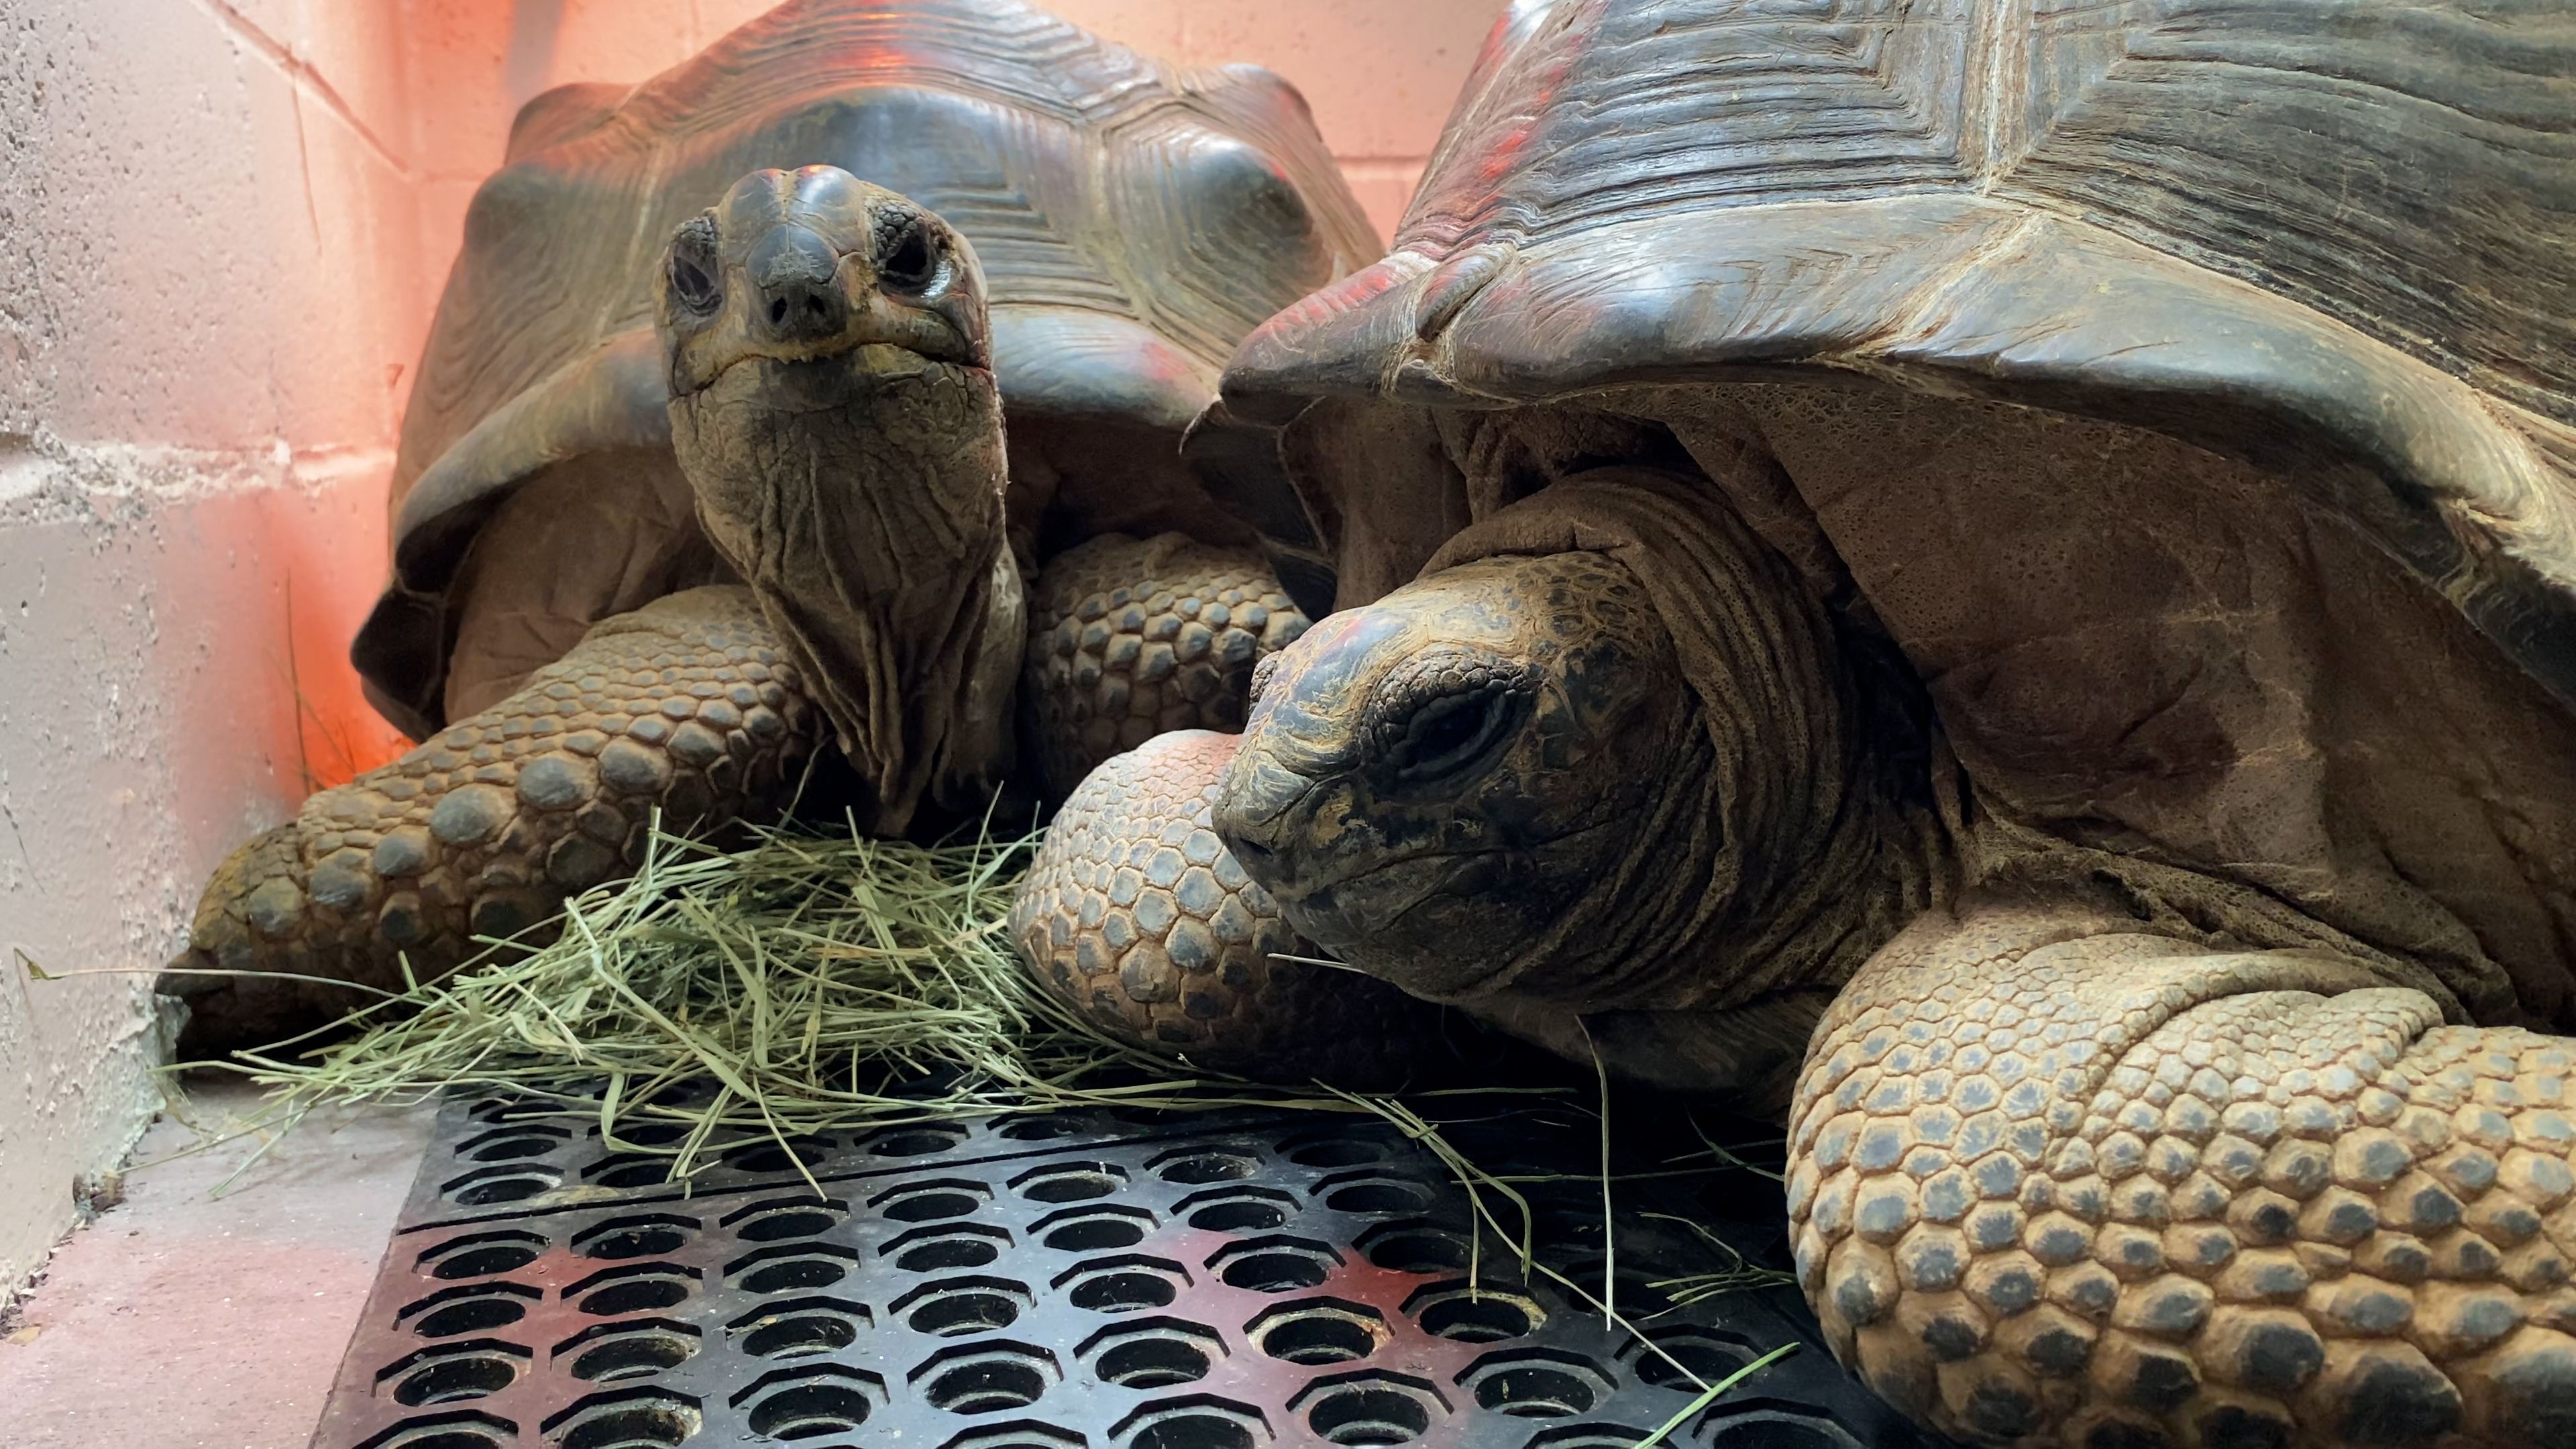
(822, 376)
(1385, 916)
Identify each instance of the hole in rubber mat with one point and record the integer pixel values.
(636, 1419)
(928, 1202)
(616, 1352)
(1121, 1284)
(786, 1217)
(1536, 1383)
(801, 1328)
(1238, 1209)
(809, 1403)
(984, 1378)
(790, 1266)
(646, 1235)
(453, 1373)
(954, 1307)
(1048, 1129)
(472, 1309)
(921, 1139)
(447, 1431)
(1330, 1150)
(1086, 1229)
(1070, 1181)
(1196, 1166)
(1157, 1353)
(954, 1245)
(511, 1144)
(1319, 1331)
(630, 1169)
(1464, 1313)
(480, 1255)
(770, 1154)
(1588, 1436)
(1414, 1248)
(1275, 1265)
(638, 1289)
(1197, 1422)
(1771, 1424)
(643, 1134)
(1018, 1434)
(489, 1186)
(1678, 1355)
(1369, 1408)
(1371, 1194)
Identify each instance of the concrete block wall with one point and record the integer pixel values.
(210, 286)
(223, 228)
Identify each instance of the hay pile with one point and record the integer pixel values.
(815, 982)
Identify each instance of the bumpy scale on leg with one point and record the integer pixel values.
(1130, 638)
(1140, 917)
(2057, 1182)
(484, 830)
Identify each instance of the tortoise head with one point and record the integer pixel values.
(796, 268)
(834, 409)
(1428, 783)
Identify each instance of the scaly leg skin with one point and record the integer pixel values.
(1131, 638)
(685, 703)
(1142, 920)
(2054, 1181)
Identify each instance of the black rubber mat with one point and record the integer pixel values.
(1093, 1279)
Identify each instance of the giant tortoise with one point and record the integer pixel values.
(2004, 578)
(631, 571)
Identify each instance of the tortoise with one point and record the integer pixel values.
(2003, 580)
(631, 574)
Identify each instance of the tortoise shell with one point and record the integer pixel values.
(2185, 387)
(1134, 221)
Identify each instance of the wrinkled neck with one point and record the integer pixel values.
(1797, 829)
(863, 505)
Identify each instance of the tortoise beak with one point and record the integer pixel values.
(1256, 811)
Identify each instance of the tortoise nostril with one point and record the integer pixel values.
(777, 310)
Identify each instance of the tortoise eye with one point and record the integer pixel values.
(693, 265)
(911, 262)
(1451, 732)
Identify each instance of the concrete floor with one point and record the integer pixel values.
(182, 1320)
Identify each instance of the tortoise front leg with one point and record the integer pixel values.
(2054, 1181)
(685, 703)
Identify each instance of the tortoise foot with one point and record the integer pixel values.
(1142, 921)
(2058, 1180)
